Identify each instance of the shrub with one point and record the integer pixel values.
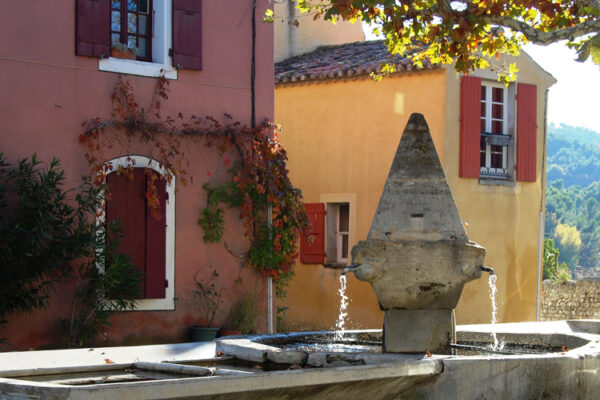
(47, 236)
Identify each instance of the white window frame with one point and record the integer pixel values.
(162, 39)
(488, 128)
(136, 161)
(334, 236)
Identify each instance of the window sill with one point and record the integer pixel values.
(134, 67)
(152, 305)
(155, 305)
(335, 265)
(496, 182)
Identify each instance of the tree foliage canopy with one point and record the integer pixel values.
(568, 242)
(573, 189)
(464, 31)
(552, 268)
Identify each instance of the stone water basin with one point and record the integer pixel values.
(259, 367)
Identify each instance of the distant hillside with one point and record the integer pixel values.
(573, 190)
(573, 155)
(571, 133)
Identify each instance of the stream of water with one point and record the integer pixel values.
(493, 291)
(339, 326)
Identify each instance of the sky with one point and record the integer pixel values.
(575, 99)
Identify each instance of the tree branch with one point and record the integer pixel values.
(545, 38)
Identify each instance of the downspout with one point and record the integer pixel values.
(253, 68)
(253, 125)
(541, 216)
(270, 278)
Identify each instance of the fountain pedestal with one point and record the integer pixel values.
(417, 256)
(436, 329)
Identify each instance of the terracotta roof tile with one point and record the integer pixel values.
(338, 61)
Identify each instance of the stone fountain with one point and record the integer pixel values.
(417, 255)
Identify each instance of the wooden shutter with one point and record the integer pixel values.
(312, 242)
(187, 34)
(126, 202)
(156, 242)
(526, 132)
(143, 234)
(470, 127)
(92, 28)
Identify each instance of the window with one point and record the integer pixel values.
(329, 239)
(338, 232)
(147, 238)
(491, 116)
(131, 26)
(495, 139)
(167, 35)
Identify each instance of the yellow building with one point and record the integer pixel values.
(341, 130)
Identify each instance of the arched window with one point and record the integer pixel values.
(147, 235)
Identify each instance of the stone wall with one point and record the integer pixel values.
(571, 300)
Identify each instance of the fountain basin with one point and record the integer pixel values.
(383, 379)
(249, 370)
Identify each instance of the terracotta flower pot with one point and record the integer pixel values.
(122, 54)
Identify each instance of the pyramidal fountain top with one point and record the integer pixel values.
(416, 202)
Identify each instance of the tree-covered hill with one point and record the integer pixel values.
(573, 155)
(573, 194)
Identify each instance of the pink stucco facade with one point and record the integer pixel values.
(47, 92)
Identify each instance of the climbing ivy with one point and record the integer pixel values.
(254, 159)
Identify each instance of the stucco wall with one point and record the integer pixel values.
(297, 33)
(48, 91)
(341, 137)
(571, 300)
(503, 219)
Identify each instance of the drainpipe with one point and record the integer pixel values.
(253, 125)
(270, 278)
(253, 68)
(541, 216)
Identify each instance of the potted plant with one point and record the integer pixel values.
(242, 317)
(122, 50)
(209, 295)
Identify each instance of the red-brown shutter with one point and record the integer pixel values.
(187, 34)
(156, 242)
(526, 132)
(470, 127)
(126, 201)
(312, 251)
(92, 28)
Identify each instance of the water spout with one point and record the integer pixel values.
(350, 268)
(488, 269)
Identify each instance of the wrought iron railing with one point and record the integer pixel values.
(498, 167)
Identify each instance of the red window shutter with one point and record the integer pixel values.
(187, 34)
(312, 251)
(92, 36)
(526, 132)
(470, 127)
(126, 201)
(156, 242)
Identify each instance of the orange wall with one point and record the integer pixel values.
(341, 137)
(47, 92)
(503, 219)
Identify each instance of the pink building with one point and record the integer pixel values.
(57, 71)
